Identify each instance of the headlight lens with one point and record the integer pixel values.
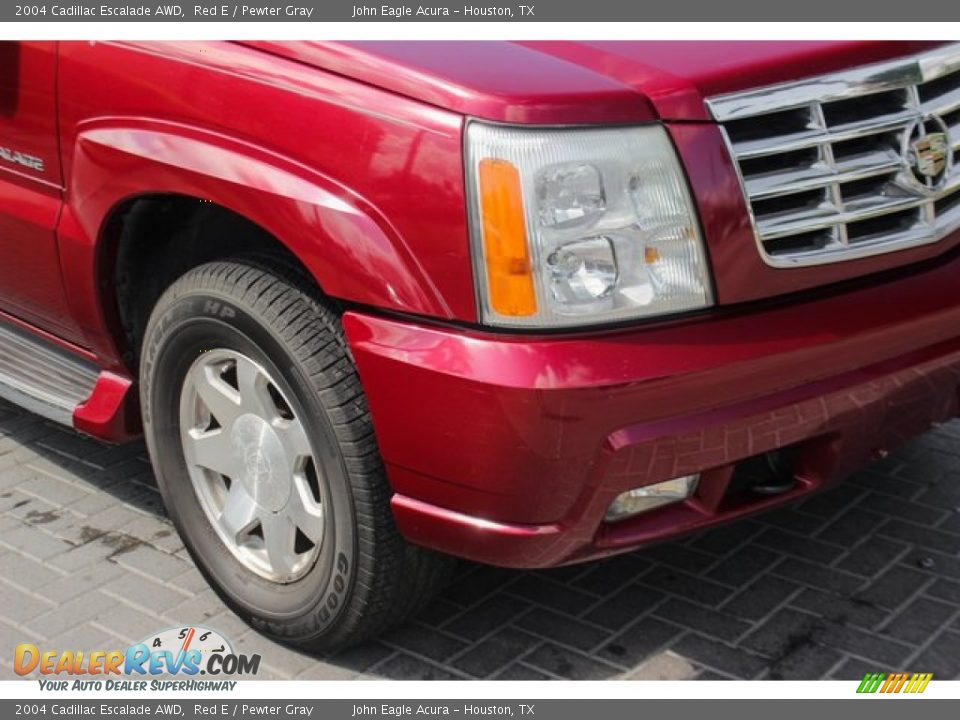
(581, 226)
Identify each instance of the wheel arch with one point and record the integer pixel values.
(342, 241)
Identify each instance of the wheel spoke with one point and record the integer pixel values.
(304, 511)
(254, 396)
(236, 423)
(210, 450)
(239, 511)
(294, 439)
(221, 400)
(279, 536)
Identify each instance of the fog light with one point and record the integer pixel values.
(649, 497)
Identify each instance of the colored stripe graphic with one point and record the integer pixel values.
(894, 683)
(921, 682)
(871, 682)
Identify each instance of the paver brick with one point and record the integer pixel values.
(552, 594)
(486, 616)
(687, 586)
(947, 590)
(868, 645)
(639, 641)
(32, 542)
(744, 566)
(681, 557)
(665, 666)
(711, 622)
(919, 620)
(723, 540)
(829, 503)
(494, 652)
(86, 635)
(80, 609)
(190, 581)
(807, 661)
(518, 671)
(152, 562)
(562, 629)
(800, 546)
(406, 667)
(934, 563)
(144, 593)
(862, 577)
(99, 548)
(838, 609)
(360, 657)
(794, 520)
(874, 479)
(24, 573)
(624, 606)
(19, 607)
(894, 587)
(852, 527)
(761, 597)
(430, 643)
(923, 536)
(871, 556)
(720, 656)
(130, 623)
(783, 634)
(88, 578)
(605, 577)
(55, 490)
(895, 507)
(569, 664)
(817, 576)
(853, 669)
(287, 663)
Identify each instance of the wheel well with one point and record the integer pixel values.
(150, 241)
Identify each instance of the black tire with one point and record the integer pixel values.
(368, 577)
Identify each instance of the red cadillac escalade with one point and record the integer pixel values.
(375, 305)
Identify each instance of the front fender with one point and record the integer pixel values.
(343, 240)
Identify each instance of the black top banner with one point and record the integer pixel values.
(738, 11)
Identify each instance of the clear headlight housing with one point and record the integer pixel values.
(577, 226)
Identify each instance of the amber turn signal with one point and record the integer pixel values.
(505, 248)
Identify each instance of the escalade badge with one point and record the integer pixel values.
(928, 151)
(18, 158)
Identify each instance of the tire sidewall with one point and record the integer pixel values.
(183, 326)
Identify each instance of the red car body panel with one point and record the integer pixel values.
(569, 83)
(505, 448)
(111, 411)
(326, 165)
(31, 196)
(487, 435)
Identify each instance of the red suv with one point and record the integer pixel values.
(374, 305)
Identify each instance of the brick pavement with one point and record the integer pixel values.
(862, 578)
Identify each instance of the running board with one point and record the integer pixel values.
(42, 377)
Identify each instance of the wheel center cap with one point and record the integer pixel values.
(266, 474)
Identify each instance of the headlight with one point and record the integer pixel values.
(581, 226)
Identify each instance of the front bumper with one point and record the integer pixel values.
(509, 449)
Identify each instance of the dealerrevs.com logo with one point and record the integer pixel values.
(188, 652)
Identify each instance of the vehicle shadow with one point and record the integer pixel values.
(796, 593)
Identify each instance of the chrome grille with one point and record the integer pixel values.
(845, 165)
